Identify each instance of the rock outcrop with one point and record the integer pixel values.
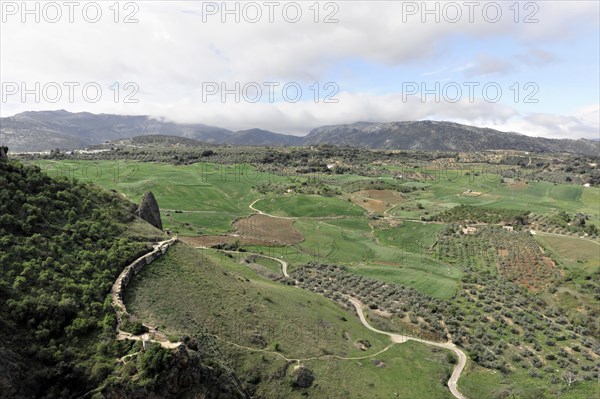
(3, 152)
(188, 374)
(149, 210)
(302, 377)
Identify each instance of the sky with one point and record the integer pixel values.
(531, 67)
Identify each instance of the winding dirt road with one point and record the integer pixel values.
(283, 263)
(251, 206)
(397, 338)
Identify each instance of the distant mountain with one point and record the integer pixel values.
(45, 130)
(261, 137)
(442, 136)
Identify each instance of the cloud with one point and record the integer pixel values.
(584, 123)
(171, 52)
(537, 57)
(487, 65)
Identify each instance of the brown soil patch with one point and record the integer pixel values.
(209, 241)
(253, 230)
(549, 262)
(473, 193)
(520, 185)
(382, 313)
(390, 196)
(376, 201)
(370, 205)
(274, 231)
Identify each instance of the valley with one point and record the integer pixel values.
(516, 300)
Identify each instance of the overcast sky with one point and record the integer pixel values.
(530, 67)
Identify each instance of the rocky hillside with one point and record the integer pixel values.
(46, 130)
(440, 136)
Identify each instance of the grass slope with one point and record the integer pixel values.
(190, 290)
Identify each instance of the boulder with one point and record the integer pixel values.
(3, 152)
(302, 377)
(149, 210)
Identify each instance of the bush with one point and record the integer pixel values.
(137, 328)
(155, 359)
(450, 358)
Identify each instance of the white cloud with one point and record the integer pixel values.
(583, 123)
(171, 52)
(486, 65)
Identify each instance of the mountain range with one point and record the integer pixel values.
(45, 130)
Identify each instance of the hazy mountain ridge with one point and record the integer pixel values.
(38, 131)
(44, 130)
(441, 136)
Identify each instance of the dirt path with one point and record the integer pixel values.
(283, 263)
(298, 360)
(251, 206)
(543, 233)
(397, 338)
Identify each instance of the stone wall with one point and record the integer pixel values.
(134, 268)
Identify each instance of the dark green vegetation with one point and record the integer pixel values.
(501, 325)
(480, 214)
(414, 166)
(62, 245)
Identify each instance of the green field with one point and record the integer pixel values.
(193, 290)
(308, 206)
(210, 196)
(422, 274)
(245, 309)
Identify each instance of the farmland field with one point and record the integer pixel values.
(386, 236)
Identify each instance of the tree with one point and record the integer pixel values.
(569, 377)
